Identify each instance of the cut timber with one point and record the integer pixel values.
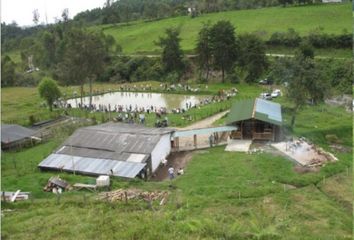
(15, 195)
(90, 187)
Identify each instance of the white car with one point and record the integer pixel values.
(276, 93)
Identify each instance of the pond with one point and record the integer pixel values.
(140, 100)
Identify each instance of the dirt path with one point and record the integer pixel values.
(207, 122)
(176, 160)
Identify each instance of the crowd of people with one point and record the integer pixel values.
(136, 114)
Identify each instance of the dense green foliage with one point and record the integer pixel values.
(252, 57)
(7, 71)
(317, 38)
(224, 47)
(172, 55)
(49, 90)
(204, 51)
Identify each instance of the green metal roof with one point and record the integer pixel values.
(263, 110)
(241, 110)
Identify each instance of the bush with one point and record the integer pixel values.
(291, 38)
(32, 120)
(316, 38)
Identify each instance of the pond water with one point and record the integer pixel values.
(140, 100)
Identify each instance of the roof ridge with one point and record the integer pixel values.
(254, 108)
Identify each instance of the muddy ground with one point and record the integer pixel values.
(176, 160)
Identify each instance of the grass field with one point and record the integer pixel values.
(139, 37)
(221, 196)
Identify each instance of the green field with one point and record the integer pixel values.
(139, 37)
(222, 195)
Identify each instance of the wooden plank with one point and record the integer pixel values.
(14, 196)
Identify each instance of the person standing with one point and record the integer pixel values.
(211, 140)
(171, 172)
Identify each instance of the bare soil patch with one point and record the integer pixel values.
(176, 160)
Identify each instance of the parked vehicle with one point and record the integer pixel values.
(276, 93)
(266, 96)
(265, 81)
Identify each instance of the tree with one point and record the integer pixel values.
(204, 50)
(7, 71)
(49, 90)
(83, 58)
(306, 50)
(65, 14)
(224, 46)
(49, 48)
(172, 54)
(305, 82)
(252, 56)
(35, 16)
(296, 90)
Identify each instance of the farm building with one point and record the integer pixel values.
(255, 119)
(16, 136)
(116, 149)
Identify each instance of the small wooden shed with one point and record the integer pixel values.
(256, 119)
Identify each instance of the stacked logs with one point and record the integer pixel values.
(124, 195)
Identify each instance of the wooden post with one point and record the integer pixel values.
(126, 197)
(195, 140)
(3, 196)
(274, 133)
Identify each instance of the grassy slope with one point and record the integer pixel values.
(206, 202)
(140, 37)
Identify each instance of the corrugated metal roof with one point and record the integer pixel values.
(129, 128)
(11, 133)
(263, 110)
(92, 166)
(112, 141)
(241, 110)
(200, 131)
(268, 111)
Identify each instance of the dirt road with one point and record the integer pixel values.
(207, 122)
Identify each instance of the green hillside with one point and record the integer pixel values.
(139, 37)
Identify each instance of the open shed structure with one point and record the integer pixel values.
(256, 119)
(116, 149)
(16, 136)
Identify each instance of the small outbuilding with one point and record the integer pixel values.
(256, 119)
(13, 135)
(115, 149)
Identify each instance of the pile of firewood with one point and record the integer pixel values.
(125, 195)
(56, 182)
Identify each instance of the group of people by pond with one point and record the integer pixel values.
(136, 114)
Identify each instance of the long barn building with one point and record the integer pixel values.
(116, 149)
